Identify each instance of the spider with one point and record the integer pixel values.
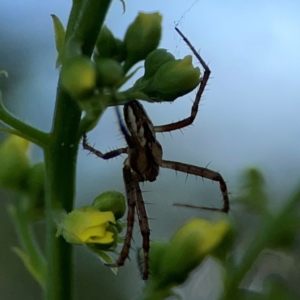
(144, 160)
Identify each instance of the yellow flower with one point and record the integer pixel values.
(88, 225)
(186, 250)
(205, 235)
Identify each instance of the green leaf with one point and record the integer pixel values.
(254, 196)
(39, 275)
(3, 73)
(105, 258)
(59, 32)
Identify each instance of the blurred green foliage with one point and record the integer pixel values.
(247, 254)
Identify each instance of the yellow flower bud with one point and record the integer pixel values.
(78, 77)
(207, 235)
(111, 201)
(175, 78)
(87, 225)
(186, 250)
(142, 37)
(14, 162)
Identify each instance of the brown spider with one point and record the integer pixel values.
(144, 160)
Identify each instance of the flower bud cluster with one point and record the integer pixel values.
(83, 78)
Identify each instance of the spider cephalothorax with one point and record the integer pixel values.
(145, 158)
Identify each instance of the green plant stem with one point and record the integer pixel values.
(86, 19)
(28, 132)
(263, 238)
(60, 166)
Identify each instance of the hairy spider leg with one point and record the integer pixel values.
(133, 186)
(131, 195)
(107, 155)
(189, 120)
(202, 172)
(145, 231)
(190, 169)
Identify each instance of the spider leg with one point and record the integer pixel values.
(205, 173)
(145, 230)
(134, 200)
(189, 120)
(107, 155)
(131, 195)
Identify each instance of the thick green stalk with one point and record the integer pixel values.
(60, 165)
(84, 24)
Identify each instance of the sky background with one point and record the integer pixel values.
(249, 115)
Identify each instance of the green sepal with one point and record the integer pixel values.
(111, 201)
(120, 225)
(59, 33)
(104, 256)
(39, 274)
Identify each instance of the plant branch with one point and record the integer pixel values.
(26, 131)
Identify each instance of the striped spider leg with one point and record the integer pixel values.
(191, 169)
(144, 160)
(142, 164)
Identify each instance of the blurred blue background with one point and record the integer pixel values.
(249, 116)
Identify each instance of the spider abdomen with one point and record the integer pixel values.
(145, 161)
